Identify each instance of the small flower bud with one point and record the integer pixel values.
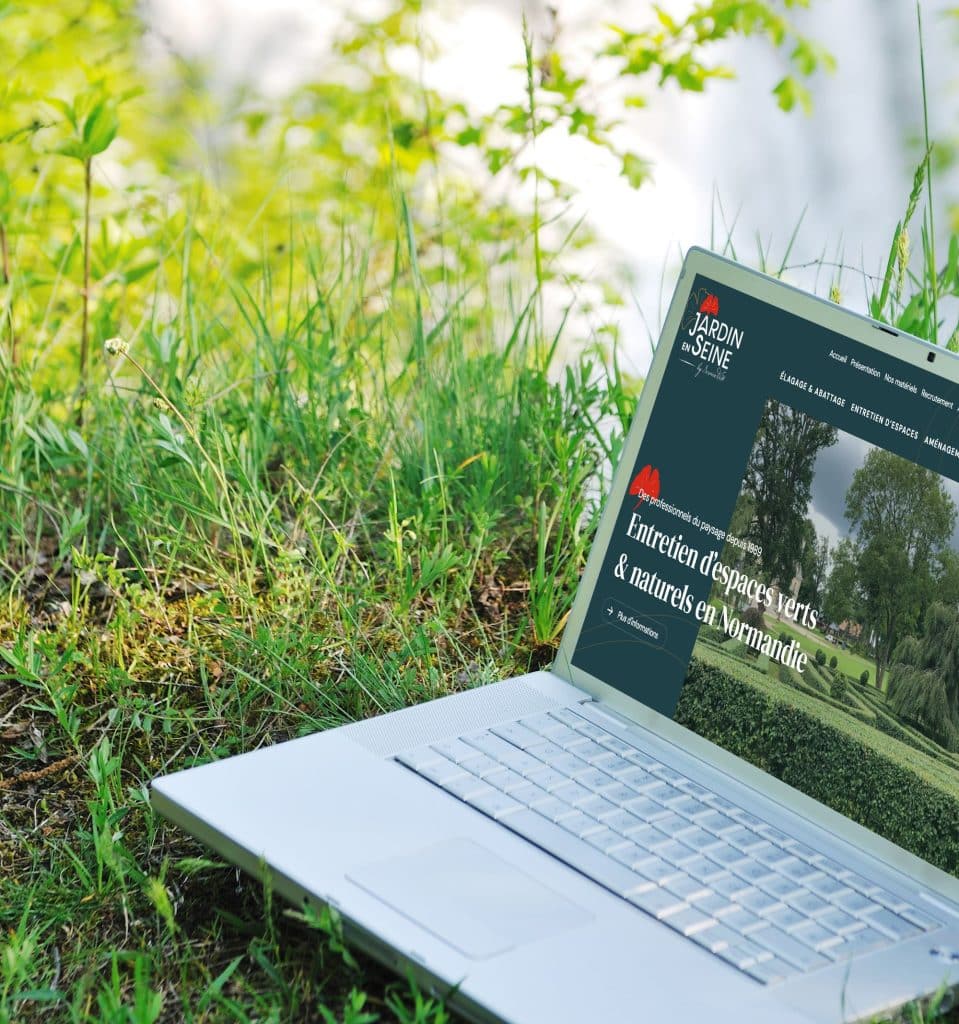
(115, 346)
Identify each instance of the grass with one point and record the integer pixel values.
(189, 577)
(332, 518)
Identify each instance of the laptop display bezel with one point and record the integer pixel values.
(820, 312)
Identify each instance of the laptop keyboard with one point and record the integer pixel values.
(748, 892)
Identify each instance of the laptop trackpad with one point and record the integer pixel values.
(470, 898)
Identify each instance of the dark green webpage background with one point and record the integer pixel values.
(699, 437)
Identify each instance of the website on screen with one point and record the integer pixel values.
(783, 576)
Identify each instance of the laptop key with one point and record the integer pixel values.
(745, 818)
(620, 821)
(544, 724)
(694, 789)
(574, 852)
(860, 884)
(804, 851)
(770, 971)
(516, 734)
(612, 763)
(798, 870)
(729, 884)
(813, 935)
(825, 886)
(634, 776)
(807, 903)
(657, 902)
(519, 761)
(594, 779)
(480, 765)
(689, 807)
(699, 839)
(686, 888)
(739, 956)
(572, 793)
(717, 823)
(890, 899)
(838, 921)
(790, 949)
(647, 836)
(507, 780)
(866, 940)
(552, 808)
(545, 750)
(785, 917)
(656, 869)
(484, 742)
(645, 808)
(742, 920)
(547, 778)
(629, 854)
(596, 807)
(468, 786)
(720, 803)
(852, 901)
(570, 741)
(445, 773)
(615, 744)
(588, 750)
(782, 888)
(605, 839)
(497, 805)
(891, 924)
(726, 856)
(920, 919)
(566, 716)
(568, 764)
(716, 938)
(642, 759)
(672, 824)
(689, 921)
(773, 834)
(752, 872)
(770, 855)
(619, 794)
(702, 869)
(757, 901)
(743, 839)
(456, 750)
(675, 852)
(419, 758)
(579, 824)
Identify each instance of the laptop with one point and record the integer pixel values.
(735, 795)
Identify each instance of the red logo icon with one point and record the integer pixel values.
(710, 305)
(645, 485)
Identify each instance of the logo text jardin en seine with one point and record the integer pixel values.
(707, 342)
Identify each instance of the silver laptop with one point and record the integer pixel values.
(735, 795)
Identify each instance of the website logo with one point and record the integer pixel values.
(706, 342)
(645, 485)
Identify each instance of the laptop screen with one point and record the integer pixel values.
(783, 575)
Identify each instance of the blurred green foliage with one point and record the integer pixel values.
(192, 183)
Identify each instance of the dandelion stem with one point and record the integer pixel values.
(85, 329)
(5, 280)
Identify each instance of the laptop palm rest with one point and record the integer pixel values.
(469, 897)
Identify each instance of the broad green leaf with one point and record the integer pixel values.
(635, 169)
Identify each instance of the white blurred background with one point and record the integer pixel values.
(724, 161)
